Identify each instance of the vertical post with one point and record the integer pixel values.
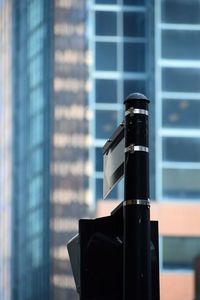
(136, 205)
(197, 278)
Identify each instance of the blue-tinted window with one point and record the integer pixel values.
(35, 13)
(106, 91)
(106, 1)
(134, 24)
(134, 2)
(134, 86)
(36, 161)
(22, 23)
(181, 149)
(181, 184)
(36, 70)
(180, 252)
(106, 23)
(181, 113)
(106, 123)
(106, 56)
(134, 57)
(181, 80)
(99, 189)
(36, 100)
(181, 44)
(35, 251)
(99, 160)
(37, 257)
(36, 41)
(179, 11)
(36, 130)
(35, 191)
(35, 222)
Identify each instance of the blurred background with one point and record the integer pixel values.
(65, 68)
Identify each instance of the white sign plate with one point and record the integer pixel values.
(113, 162)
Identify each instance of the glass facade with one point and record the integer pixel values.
(124, 60)
(177, 99)
(121, 45)
(51, 140)
(31, 136)
(5, 149)
(70, 166)
(177, 121)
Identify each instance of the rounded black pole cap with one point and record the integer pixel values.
(136, 96)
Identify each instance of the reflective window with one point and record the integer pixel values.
(106, 23)
(134, 2)
(34, 222)
(99, 160)
(35, 13)
(181, 80)
(106, 56)
(134, 24)
(106, 123)
(36, 70)
(181, 183)
(36, 41)
(106, 91)
(22, 84)
(36, 161)
(181, 113)
(22, 23)
(180, 252)
(36, 100)
(99, 189)
(181, 149)
(134, 57)
(179, 11)
(35, 250)
(36, 130)
(106, 1)
(181, 44)
(134, 86)
(35, 191)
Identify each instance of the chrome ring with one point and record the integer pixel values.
(132, 148)
(136, 202)
(133, 111)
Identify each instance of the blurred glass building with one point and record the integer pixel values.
(50, 144)
(121, 40)
(175, 129)
(5, 148)
(73, 63)
(178, 100)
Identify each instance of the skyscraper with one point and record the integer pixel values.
(176, 133)
(50, 142)
(121, 40)
(177, 87)
(74, 62)
(5, 148)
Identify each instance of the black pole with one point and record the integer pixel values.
(136, 206)
(197, 278)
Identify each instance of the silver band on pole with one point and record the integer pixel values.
(132, 111)
(133, 148)
(136, 202)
